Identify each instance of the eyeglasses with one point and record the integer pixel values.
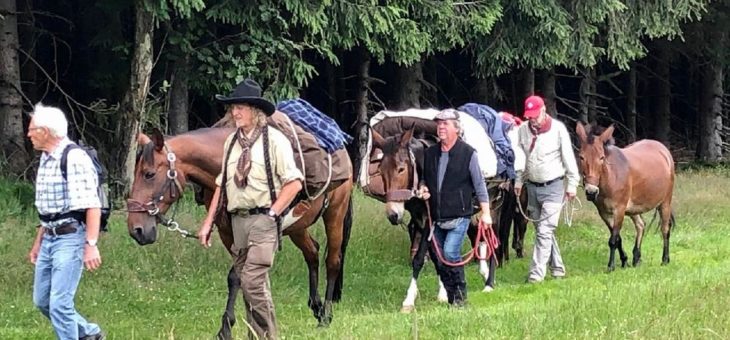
(34, 128)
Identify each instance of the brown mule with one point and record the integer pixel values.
(165, 165)
(627, 181)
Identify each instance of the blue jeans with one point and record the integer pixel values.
(451, 240)
(57, 275)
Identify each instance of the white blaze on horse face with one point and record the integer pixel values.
(395, 209)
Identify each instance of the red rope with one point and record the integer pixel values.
(485, 233)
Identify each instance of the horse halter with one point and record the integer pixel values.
(172, 184)
(402, 195)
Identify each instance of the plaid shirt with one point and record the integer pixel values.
(54, 195)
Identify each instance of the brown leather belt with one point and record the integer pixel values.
(62, 230)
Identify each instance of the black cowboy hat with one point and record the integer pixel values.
(248, 92)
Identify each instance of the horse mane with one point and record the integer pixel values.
(595, 131)
(146, 153)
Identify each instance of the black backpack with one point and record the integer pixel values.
(101, 172)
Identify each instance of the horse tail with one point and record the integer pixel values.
(346, 229)
(672, 220)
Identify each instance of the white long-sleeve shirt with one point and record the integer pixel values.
(551, 157)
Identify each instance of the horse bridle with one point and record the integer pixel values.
(175, 188)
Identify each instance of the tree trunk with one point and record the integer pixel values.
(486, 90)
(408, 86)
(12, 141)
(27, 36)
(332, 111)
(662, 122)
(631, 104)
(548, 89)
(179, 108)
(343, 108)
(528, 82)
(587, 96)
(361, 108)
(133, 104)
(710, 145)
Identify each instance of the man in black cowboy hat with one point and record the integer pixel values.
(258, 163)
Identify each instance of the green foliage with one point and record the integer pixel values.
(546, 33)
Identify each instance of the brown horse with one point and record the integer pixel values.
(627, 181)
(165, 165)
(399, 167)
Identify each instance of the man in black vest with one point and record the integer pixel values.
(453, 187)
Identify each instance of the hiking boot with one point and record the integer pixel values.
(97, 336)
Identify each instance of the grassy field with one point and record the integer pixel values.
(175, 289)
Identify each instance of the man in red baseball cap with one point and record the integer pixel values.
(550, 162)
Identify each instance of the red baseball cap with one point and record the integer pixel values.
(533, 105)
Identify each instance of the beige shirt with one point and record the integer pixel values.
(551, 157)
(256, 193)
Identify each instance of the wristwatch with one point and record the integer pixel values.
(91, 243)
(272, 214)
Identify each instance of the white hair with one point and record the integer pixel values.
(51, 118)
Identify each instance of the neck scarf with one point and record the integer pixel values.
(244, 162)
(544, 127)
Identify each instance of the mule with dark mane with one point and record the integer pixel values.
(166, 164)
(627, 181)
(400, 166)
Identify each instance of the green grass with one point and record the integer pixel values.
(175, 289)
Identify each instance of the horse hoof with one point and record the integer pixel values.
(487, 289)
(407, 309)
(222, 335)
(610, 269)
(636, 263)
(324, 322)
(442, 299)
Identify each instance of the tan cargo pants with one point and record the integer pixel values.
(254, 247)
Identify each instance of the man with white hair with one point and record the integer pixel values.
(449, 190)
(70, 213)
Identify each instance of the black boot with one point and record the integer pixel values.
(459, 283)
(448, 281)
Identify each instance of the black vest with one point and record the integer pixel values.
(457, 190)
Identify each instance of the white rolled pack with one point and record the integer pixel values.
(473, 134)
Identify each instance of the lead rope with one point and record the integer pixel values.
(567, 207)
(484, 234)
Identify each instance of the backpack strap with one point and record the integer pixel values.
(270, 182)
(223, 200)
(64, 159)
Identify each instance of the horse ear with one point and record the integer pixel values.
(581, 131)
(158, 139)
(407, 135)
(378, 140)
(607, 134)
(143, 139)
